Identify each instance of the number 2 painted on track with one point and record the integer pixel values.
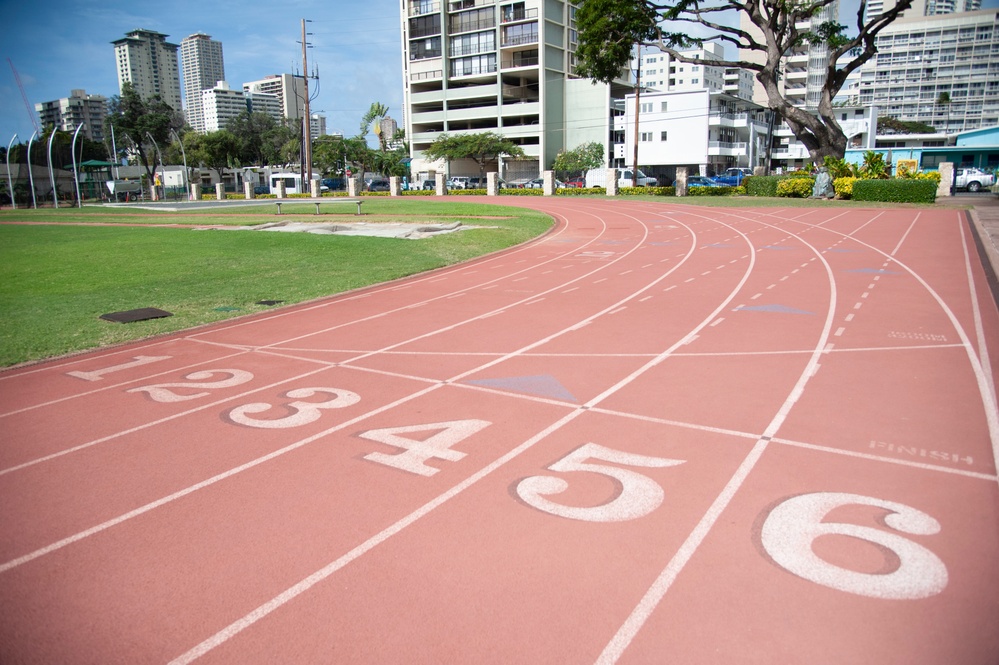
(161, 392)
(639, 496)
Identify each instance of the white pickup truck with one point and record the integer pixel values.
(972, 179)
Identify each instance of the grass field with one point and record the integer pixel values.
(59, 276)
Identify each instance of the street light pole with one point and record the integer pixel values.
(307, 127)
(55, 193)
(76, 172)
(162, 168)
(184, 155)
(10, 180)
(31, 174)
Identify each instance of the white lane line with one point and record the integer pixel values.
(839, 332)
(717, 321)
(289, 594)
(315, 578)
(617, 645)
(983, 347)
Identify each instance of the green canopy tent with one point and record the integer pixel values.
(93, 174)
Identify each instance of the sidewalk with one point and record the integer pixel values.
(985, 221)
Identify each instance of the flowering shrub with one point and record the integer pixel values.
(844, 187)
(796, 187)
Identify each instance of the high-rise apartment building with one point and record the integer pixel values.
(146, 60)
(471, 66)
(940, 70)
(662, 73)
(203, 67)
(221, 103)
(290, 89)
(922, 7)
(71, 112)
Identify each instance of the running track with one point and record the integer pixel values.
(657, 434)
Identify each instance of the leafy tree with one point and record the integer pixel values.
(896, 126)
(216, 150)
(250, 130)
(329, 154)
(135, 119)
(580, 159)
(610, 29)
(482, 148)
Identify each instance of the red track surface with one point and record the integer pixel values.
(657, 434)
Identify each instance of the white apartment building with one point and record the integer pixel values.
(940, 70)
(146, 60)
(79, 108)
(203, 67)
(661, 72)
(221, 104)
(317, 126)
(505, 66)
(922, 7)
(706, 131)
(290, 89)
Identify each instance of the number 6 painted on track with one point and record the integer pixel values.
(305, 412)
(791, 527)
(639, 496)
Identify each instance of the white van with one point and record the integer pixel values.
(293, 183)
(598, 178)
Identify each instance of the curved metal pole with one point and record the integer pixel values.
(76, 171)
(31, 174)
(55, 193)
(162, 168)
(10, 180)
(183, 153)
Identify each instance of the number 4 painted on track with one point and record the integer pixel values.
(418, 451)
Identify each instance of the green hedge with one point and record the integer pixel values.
(762, 185)
(895, 191)
(724, 190)
(511, 191)
(579, 191)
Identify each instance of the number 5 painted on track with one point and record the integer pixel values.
(792, 526)
(639, 496)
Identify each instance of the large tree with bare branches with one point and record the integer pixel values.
(610, 29)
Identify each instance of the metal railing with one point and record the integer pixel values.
(421, 8)
(518, 15)
(517, 40)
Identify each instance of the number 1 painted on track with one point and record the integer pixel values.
(98, 374)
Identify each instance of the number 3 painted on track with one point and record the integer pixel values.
(639, 496)
(305, 412)
(791, 527)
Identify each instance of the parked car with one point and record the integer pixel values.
(428, 185)
(539, 183)
(520, 183)
(733, 176)
(598, 178)
(972, 179)
(576, 182)
(379, 185)
(700, 181)
(459, 182)
(261, 189)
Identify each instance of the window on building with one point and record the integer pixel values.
(695, 80)
(662, 136)
(645, 137)
(662, 107)
(646, 107)
(425, 48)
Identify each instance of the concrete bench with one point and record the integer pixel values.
(322, 202)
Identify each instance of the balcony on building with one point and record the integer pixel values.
(422, 7)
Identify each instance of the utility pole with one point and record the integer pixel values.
(307, 122)
(638, 97)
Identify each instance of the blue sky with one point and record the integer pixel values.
(61, 46)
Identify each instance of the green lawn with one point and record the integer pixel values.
(57, 279)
